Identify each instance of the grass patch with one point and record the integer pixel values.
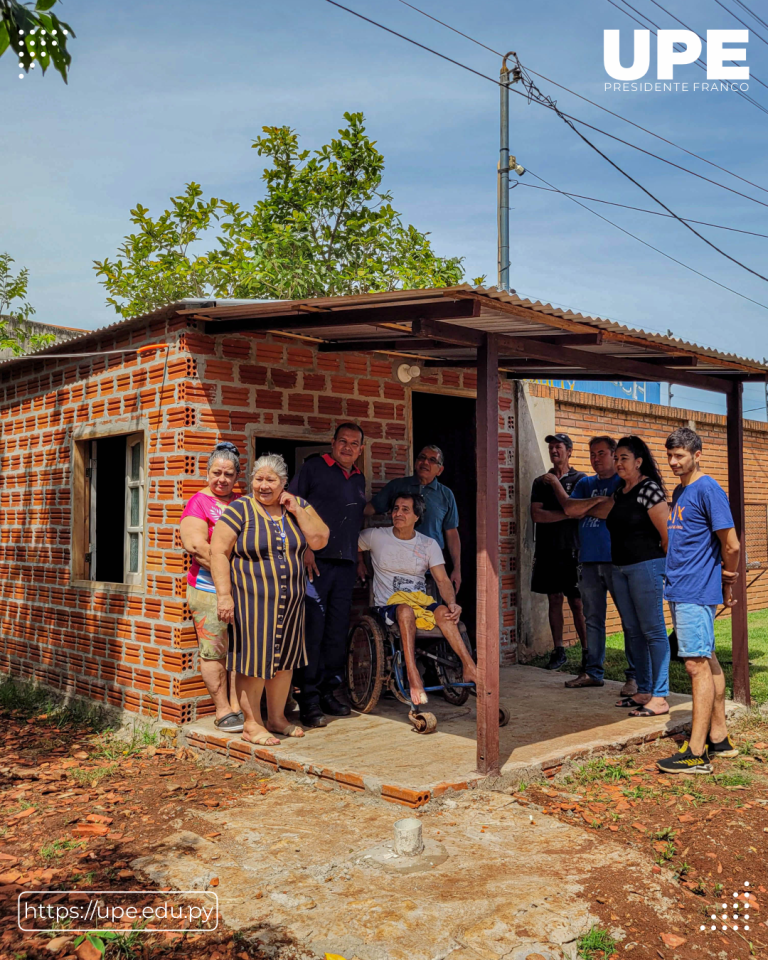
(113, 745)
(604, 770)
(732, 779)
(92, 777)
(596, 944)
(615, 661)
(51, 851)
(24, 699)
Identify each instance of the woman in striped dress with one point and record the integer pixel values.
(257, 551)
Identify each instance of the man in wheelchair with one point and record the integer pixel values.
(401, 559)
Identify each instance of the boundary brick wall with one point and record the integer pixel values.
(583, 415)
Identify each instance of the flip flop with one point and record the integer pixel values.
(629, 703)
(292, 730)
(232, 723)
(263, 740)
(645, 712)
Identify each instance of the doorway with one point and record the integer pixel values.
(449, 422)
(294, 452)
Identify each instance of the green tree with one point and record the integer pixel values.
(324, 228)
(15, 328)
(35, 35)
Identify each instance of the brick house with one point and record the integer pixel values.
(101, 451)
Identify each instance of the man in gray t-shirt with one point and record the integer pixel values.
(401, 559)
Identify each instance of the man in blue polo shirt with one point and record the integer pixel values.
(335, 487)
(595, 569)
(441, 517)
(702, 565)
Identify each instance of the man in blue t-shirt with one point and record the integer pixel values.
(702, 565)
(595, 569)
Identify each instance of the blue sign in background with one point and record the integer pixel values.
(624, 389)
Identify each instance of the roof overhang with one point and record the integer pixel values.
(445, 327)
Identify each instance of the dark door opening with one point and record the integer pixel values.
(449, 422)
(294, 452)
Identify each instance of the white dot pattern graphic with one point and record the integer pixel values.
(735, 916)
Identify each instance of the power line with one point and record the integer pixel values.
(678, 20)
(699, 63)
(655, 213)
(720, 4)
(534, 93)
(612, 113)
(752, 14)
(645, 243)
(530, 87)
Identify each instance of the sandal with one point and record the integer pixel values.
(265, 740)
(645, 712)
(583, 680)
(292, 730)
(232, 723)
(629, 703)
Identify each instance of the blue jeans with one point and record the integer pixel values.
(595, 583)
(639, 594)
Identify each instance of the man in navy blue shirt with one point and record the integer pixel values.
(441, 516)
(702, 565)
(335, 487)
(595, 568)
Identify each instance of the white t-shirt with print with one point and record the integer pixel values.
(398, 564)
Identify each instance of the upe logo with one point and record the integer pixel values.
(667, 57)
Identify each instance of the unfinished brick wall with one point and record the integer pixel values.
(136, 648)
(583, 415)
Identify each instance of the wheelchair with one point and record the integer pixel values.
(375, 663)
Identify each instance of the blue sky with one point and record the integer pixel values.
(162, 93)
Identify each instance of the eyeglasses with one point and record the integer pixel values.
(432, 460)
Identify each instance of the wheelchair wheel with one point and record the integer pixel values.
(423, 722)
(366, 664)
(448, 675)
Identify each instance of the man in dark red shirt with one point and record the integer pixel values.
(335, 487)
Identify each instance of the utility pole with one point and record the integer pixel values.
(506, 164)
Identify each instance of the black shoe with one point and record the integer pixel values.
(311, 716)
(725, 748)
(333, 707)
(557, 659)
(685, 762)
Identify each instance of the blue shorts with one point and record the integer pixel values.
(388, 612)
(694, 625)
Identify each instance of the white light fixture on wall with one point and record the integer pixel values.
(405, 372)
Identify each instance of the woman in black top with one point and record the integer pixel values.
(636, 517)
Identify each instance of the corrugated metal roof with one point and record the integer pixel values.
(535, 318)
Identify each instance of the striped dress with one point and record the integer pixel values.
(268, 588)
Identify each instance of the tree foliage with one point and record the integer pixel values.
(324, 228)
(15, 311)
(35, 35)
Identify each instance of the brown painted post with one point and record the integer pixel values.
(739, 627)
(488, 612)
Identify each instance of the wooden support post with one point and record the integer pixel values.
(488, 610)
(739, 626)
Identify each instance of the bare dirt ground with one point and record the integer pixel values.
(614, 861)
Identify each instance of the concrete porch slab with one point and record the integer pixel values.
(380, 753)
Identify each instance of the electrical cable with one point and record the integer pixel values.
(698, 63)
(645, 243)
(533, 92)
(678, 20)
(752, 13)
(626, 206)
(721, 4)
(530, 87)
(587, 100)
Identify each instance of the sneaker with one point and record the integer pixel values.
(726, 749)
(557, 659)
(685, 762)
